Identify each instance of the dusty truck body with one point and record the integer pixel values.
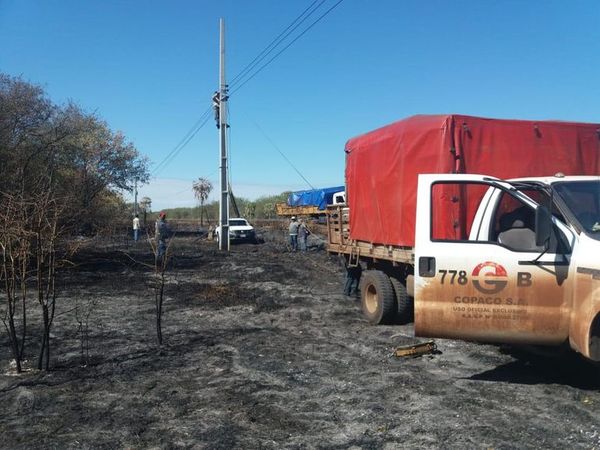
(483, 258)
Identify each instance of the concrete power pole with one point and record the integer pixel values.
(135, 203)
(224, 205)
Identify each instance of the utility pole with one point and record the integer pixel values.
(135, 203)
(224, 205)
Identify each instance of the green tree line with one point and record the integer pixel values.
(261, 208)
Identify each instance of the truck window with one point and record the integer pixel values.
(582, 198)
(541, 197)
(508, 210)
(514, 225)
(453, 209)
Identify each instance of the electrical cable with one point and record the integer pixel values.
(229, 185)
(228, 137)
(282, 154)
(277, 41)
(181, 192)
(249, 67)
(286, 47)
(183, 142)
(172, 157)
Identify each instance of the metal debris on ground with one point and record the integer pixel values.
(414, 350)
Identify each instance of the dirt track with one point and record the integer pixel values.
(262, 351)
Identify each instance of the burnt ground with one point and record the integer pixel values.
(262, 351)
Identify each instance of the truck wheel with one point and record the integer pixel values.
(594, 349)
(377, 298)
(404, 302)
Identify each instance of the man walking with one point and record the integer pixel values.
(293, 231)
(136, 228)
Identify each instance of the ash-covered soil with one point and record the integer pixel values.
(261, 350)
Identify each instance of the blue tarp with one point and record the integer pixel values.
(314, 197)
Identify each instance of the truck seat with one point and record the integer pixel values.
(518, 237)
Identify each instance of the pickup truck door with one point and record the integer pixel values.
(473, 280)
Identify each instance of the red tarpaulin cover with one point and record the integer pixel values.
(382, 166)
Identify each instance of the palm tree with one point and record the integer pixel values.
(202, 188)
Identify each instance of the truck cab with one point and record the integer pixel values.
(509, 261)
(339, 198)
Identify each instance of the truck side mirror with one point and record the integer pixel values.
(543, 226)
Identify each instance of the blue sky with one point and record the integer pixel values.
(149, 69)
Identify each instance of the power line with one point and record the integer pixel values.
(167, 162)
(282, 154)
(276, 41)
(249, 67)
(287, 46)
(184, 191)
(228, 136)
(183, 142)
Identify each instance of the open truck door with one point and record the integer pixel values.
(479, 272)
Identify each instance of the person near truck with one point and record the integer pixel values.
(353, 274)
(136, 228)
(161, 233)
(303, 233)
(293, 231)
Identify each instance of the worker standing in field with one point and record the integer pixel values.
(303, 233)
(161, 233)
(136, 228)
(293, 231)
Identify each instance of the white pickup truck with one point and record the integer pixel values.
(528, 271)
(240, 230)
(493, 261)
(475, 256)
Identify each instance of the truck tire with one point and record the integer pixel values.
(403, 301)
(377, 298)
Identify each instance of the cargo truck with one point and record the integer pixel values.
(311, 202)
(485, 229)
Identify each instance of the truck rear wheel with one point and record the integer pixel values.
(594, 349)
(377, 298)
(403, 301)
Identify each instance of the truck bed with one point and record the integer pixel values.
(284, 209)
(338, 232)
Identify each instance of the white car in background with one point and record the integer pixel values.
(239, 230)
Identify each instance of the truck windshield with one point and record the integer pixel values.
(582, 198)
(237, 223)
